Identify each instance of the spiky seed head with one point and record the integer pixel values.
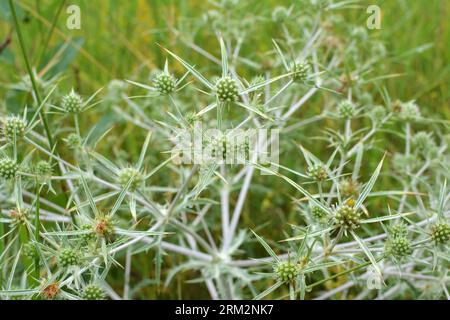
(43, 168)
(73, 141)
(318, 172)
(130, 173)
(409, 111)
(440, 232)
(165, 83)
(286, 271)
(51, 291)
(93, 292)
(29, 251)
(398, 230)
(104, 227)
(227, 89)
(423, 141)
(68, 257)
(14, 126)
(349, 188)
(87, 237)
(318, 214)
(8, 168)
(19, 215)
(280, 14)
(72, 103)
(378, 113)
(347, 217)
(400, 247)
(300, 71)
(346, 109)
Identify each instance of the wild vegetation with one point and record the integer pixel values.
(95, 204)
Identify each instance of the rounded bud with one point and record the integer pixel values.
(349, 188)
(72, 103)
(409, 111)
(93, 292)
(165, 83)
(73, 141)
(398, 230)
(280, 14)
(318, 214)
(400, 247)
(440, 232)
(130, 173)
(378, 113)
(227, 89)
(347, 217)
(116, 89)
(300, 71)
(68, 257)
(89, 236)
(8, 168)
(423, 141)
(43, 169)
(286, 271)
(346, 109)
(14, 126)
(318, 172)
(29, 251)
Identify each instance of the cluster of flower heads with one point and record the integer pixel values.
(344, 203)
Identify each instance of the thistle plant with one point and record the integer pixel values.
(112, 202)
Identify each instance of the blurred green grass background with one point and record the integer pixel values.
(118, 39)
